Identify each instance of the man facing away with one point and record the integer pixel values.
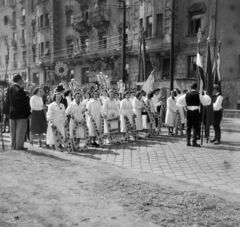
(18, 108)
(192, 101)
(218, 112)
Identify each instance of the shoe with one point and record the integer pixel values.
(91, 144)
(53, 147)
(22, 149)
(195, 145)
(212, 141)
(7, 132)
(40, 143)
(217, 142)
(3, 131)
(189, 145)
(30, 143)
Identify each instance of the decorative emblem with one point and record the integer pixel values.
(61, 69)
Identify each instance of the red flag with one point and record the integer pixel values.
(216, 70)
(200, 72)
(209, 88)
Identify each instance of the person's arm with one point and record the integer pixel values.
(105, 107)
(205, 99)
(7, 101)
(218, 104)
(69, 110)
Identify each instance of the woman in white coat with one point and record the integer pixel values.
(77, 110)
(110, 110)
(94, 110)
(126, 109)
(55, 115)
(171, 112)
(137, 109)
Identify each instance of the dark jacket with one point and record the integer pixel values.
(17, 103)
(192, 98)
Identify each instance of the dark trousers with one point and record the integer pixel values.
(193, 118)
(18, 128)
(217, 122)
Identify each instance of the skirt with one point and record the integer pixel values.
(38, 122)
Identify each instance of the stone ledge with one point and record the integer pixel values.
(231, 113)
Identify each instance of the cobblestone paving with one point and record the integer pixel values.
(211, 166)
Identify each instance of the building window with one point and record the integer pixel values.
(159, 25)
(5, 2)
(102, 35)
(192, 66)
(14, 17)
(84, 43)
(68, 19)
(141, 23)
(5, 20)
(14, 37)
(70, 44)
(46, 19)
(15, 57)
(24, 36)
(40, 21)
(41, 49)
(24, 56)
(85, 75)
(196, 14)
(149, 24)
(46, 52)
(35, 78)
(23, 14)
(166, 69)
(34, 53)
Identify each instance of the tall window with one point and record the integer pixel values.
(24, 36)
(84, 43)
(192, 66)
(166, 69)
(195, 15)
(102, 39)
(46, 19)
(23, 13)
(5, 20)
(34, 53)
(14, 17)
(46, 52)
(159, 25)
(41, 48)
(85, 75)
(40, 21)
(24, 56)
(70, 44)
(149, 24)
(14, 37)
(15, 57)
(5, 2)
(141, 23)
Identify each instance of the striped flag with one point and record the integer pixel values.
(209, 88)
(216, 69)
(200, 72)
(148, 85)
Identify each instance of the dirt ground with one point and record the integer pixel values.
(39, 190)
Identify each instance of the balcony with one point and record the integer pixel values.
(12, 3)
(80, 25)
(23, 64)
(14, 65)
(14, 44)
(22, 20)
(22, 42)
(99, 17)
(13, 24)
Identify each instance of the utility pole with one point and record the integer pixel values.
(124, 42)
(172, 46)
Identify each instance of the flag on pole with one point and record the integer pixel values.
(209, 89)
(200, 72)
(216, 69)
(148, 85)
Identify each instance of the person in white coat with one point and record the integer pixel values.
(94, 110)
(180, 109)
(137, 109)
(171, 112)
(110, 110)
(77, 110)
(126, 109)
(55, 115)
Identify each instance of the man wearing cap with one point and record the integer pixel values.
(218, 108)
(18, 108)
(192, 101)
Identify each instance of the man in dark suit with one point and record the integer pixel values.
(18, 108)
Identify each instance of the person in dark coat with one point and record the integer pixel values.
(18, 108)
(5, 115)
(61, 89)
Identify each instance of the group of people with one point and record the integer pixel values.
(101, 113)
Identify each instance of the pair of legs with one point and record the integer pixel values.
(6, 123)
(18, 129)
(39, 139)
(192, 123)
(93, 142)
(216, 126)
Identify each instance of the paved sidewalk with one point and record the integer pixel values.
(212, 166)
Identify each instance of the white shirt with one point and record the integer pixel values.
(218, 104)
(155, 101)
(36, 103)
(204, 99)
